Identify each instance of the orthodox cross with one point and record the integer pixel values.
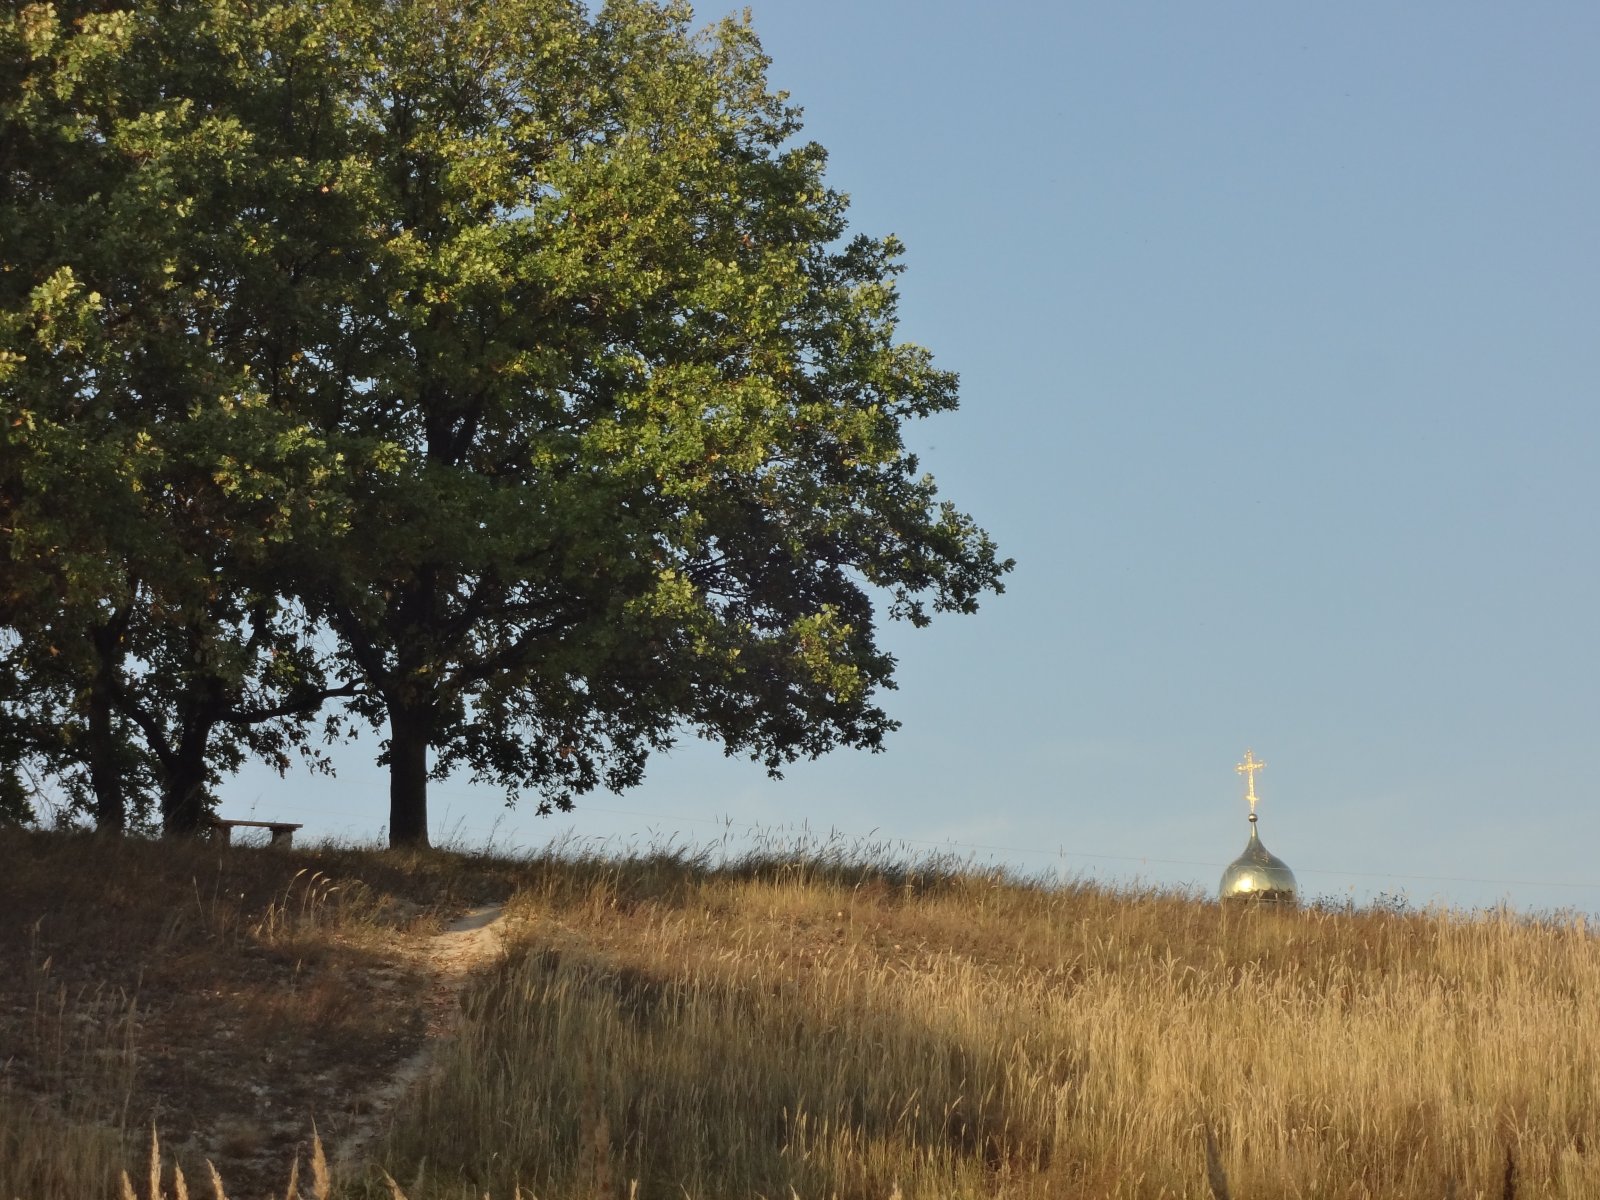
(1248, 768)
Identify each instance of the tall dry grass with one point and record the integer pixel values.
(64, 1107)
(814, 1025)
(838, 1030)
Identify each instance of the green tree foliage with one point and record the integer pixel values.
(17, 757)
(152, 472)
(524, 348)
(647, 407)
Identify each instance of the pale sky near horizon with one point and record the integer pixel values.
(1277, 334)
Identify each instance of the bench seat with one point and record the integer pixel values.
(282, 831)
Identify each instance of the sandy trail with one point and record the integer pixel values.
(451, 956)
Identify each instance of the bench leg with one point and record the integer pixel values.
(282, 837)
(222, 834)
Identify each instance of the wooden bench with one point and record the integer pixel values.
(282, 831)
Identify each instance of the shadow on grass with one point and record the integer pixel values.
(229, 996)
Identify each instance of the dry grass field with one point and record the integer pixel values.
(811, 1024)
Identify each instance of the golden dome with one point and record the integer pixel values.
(1257, 874)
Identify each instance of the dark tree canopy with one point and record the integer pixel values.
(523, 351)
(151, 480)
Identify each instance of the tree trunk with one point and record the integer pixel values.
(184, 799)
(409, 730)
(183, 792)
(104, 753)
(105, 774)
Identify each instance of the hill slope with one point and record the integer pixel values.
(830, 1026)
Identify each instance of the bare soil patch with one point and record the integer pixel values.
(448, 959)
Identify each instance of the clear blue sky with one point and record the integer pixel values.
(1277, 327)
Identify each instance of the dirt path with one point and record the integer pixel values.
(450, 957)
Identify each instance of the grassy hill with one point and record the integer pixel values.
(801, 1024)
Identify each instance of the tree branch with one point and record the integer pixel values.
(306, 703)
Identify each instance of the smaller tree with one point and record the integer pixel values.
(151, 478)
(148, 651)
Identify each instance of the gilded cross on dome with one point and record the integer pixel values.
(1248, 768)
(1257, 874)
